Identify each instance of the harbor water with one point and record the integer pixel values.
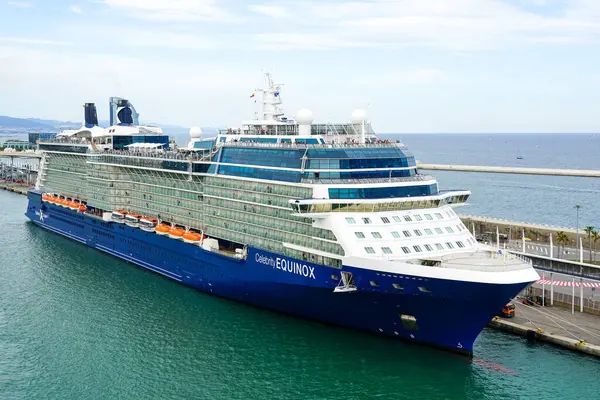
(79, 324)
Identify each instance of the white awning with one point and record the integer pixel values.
(144, 145)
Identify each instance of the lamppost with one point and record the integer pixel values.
(577, 207)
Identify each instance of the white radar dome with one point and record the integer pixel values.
(304, 117)
(195, 132)
(358, 116)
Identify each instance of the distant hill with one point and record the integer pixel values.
(28, 124)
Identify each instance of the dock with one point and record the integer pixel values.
(19, 188)
(510, 170)
(579, 332)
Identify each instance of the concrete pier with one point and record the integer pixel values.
(14, 187)
(510, 170)
(581, 332)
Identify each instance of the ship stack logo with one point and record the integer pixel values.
(41, 215)
(283, 264)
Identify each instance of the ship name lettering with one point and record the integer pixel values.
(286, 265)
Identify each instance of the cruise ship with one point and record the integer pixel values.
(322, 221)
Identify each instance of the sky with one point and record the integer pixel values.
(414, 65)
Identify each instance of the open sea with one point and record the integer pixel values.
(78, 324)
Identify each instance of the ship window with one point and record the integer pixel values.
(396, 218)
(418, 217)
(350, 220)
(439, 246)
(367, 220)
(398, 286)
(424, 289)
(374, 283)
(439, 230)
(460, 244)
(450, 245)
(418, 232)
(439, 216)
(386, 250)
(396, 235)
(417, 249)
(370, 250)
(428, 231)
(407, 218)
(376, 235)
(359, 235)
(334, 277)
(428, 247)
(406, 233)
(459, 228)
(406, 250)
(450, 230)
(409, 322)
(385, 220)
(428, 217)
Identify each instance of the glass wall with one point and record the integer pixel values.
(383, 192)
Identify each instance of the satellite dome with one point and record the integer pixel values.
(358, 116)
(304, 117)
(195, 132)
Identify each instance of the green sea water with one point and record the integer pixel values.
(78, 324)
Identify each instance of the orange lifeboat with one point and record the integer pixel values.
(82, 208)
(73, 205)
(63, 202)
(45, 197)
(192, 237)
(176, 233)
(162, 229)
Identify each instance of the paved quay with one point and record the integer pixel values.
(511, 170)
(579, 331)
(14, 187)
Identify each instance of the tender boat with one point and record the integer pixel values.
(148, 224)
(119, 216)
(133, 219)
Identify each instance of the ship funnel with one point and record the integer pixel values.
(122, 112)
(90, 115)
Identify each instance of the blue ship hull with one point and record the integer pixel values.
(450, 314)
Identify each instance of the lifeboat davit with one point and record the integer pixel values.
(133, 219)
(148, 224)
(119, 216)
(192, 237)
(162, 229)
(176, 233)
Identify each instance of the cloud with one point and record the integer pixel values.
(31, 41)
(272, 11)
(23, 4)
(76, 9)
(457, 25)
(170, 10)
